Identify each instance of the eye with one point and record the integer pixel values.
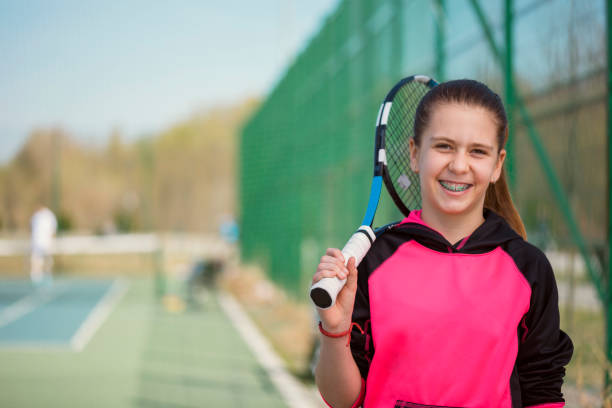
(443, 146)
(479, 152)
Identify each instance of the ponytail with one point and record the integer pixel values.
(498, 199)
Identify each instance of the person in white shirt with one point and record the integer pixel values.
(44, 226)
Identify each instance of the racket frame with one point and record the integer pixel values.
(381, 130)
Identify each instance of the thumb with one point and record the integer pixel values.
(351, 280)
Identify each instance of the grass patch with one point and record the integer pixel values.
(586, 369)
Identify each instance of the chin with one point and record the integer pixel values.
(455, 208)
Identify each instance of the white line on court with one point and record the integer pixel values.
(98, 315)
(28, 303)
(294, 394)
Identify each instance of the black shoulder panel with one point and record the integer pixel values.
(544, 349)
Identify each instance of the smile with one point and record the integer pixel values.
(456, 187)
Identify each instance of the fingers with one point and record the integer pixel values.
(326, 270)
(333, 260)
(330, 262)
(351, 263)
(346, 297)
(351, 281)
(331, 265)
(335, 253)
(318, 276)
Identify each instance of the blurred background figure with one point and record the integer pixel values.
(229, 229)
(43, 226)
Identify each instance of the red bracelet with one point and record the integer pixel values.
(334, 335)
(338, 335)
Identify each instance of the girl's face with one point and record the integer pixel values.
(457, 159)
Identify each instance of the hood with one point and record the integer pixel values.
(493, 232)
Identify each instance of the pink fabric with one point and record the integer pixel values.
(463, 241)
(429, 335)
(414, 216)
(548, 405)
(359, 400)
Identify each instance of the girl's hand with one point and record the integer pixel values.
(337, 318)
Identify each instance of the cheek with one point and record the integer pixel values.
(432, 164)
(486, 171)
(429, 172)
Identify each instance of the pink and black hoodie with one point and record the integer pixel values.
(475, 324)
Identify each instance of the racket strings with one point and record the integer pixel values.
(400, 129)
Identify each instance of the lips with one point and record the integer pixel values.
(454, 187)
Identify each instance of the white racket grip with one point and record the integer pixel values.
(358, 244)
(324, 292)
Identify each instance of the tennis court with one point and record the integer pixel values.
(109, 343)
(61, 316)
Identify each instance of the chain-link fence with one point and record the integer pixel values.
(306, 155)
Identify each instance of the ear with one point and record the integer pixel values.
(498, 166)
(414, 156)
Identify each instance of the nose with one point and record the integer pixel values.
(459, 163)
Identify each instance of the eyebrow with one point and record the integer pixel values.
(436, 139)
(483, 146)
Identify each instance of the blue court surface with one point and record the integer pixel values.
(62, 315)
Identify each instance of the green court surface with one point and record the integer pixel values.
(143, 355)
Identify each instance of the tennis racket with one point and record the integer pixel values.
(394, 128)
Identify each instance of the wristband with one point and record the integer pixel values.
(334, 335)
(342, 334)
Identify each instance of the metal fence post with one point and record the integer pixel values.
(440, 18)
(509, 88)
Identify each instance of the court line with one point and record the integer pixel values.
(98, 315)
(294, 393)
(27, 304)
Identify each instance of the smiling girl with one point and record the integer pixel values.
(451, 307)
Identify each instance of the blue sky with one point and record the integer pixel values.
(139, 66)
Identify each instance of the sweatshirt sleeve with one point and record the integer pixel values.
(362, 346)
(544, 349)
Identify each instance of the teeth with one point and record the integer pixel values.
(454, 186)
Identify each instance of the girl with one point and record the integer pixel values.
(451, 307)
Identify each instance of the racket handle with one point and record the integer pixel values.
(324, 292)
